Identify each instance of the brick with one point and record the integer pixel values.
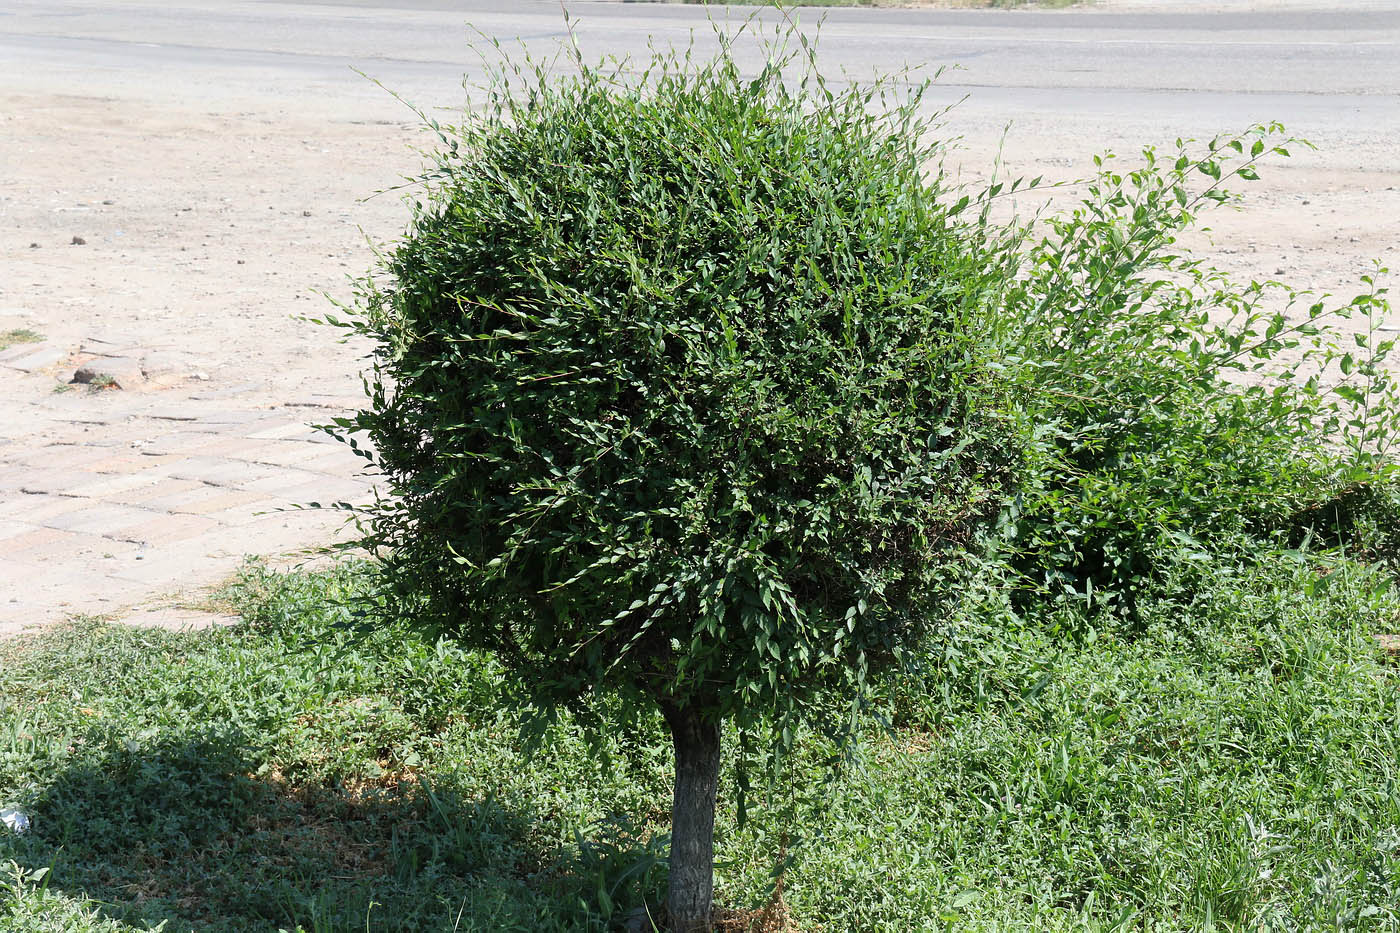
(338, 461)
(12, 477)
(221, 500)
(15, 352)
(175, 442)
(65, 456)
(232, 447)
(131, 462)
(34, 509)
(198, 443)
(282, 430)
(237, 516)
(100, 519)
(108, 487)
(25, 537)
(43, 546)
(55, 480)
(164, 529)
(42, 358)
(11, 529)
(285, 480)
(155, 487)
(218, 471)
(282, 452)
(173, 494)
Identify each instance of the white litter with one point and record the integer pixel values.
(16, 821)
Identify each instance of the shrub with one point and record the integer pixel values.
(675, 396)
(1173, 407)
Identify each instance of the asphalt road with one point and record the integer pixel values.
(1333, 74)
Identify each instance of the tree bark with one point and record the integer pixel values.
(690, 895)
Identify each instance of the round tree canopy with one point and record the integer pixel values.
(674, 389)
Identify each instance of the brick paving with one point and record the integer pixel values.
(130, 504)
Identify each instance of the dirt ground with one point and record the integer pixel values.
(200, 237)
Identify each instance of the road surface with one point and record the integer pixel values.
(1330, 72)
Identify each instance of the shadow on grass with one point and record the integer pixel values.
(183, 829)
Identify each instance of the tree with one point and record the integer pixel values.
(674, 398)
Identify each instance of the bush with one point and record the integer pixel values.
(675, 394)
(1172, 407)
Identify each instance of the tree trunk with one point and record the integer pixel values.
(690, 895)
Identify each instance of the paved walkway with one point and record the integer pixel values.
(136, 495)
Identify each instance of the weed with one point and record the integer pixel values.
(9, 338)
(1172, 407)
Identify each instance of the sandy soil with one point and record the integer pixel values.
(206, 233)
(209, 234)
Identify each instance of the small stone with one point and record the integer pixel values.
(241, 262)
(79, 241)
(1306, 201)
(109, 202)
(114, 372)
(36, 358)
(306, 213)
(200, 376)
(33, 245)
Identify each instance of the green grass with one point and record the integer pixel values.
(9, 338)
(1230, 762)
